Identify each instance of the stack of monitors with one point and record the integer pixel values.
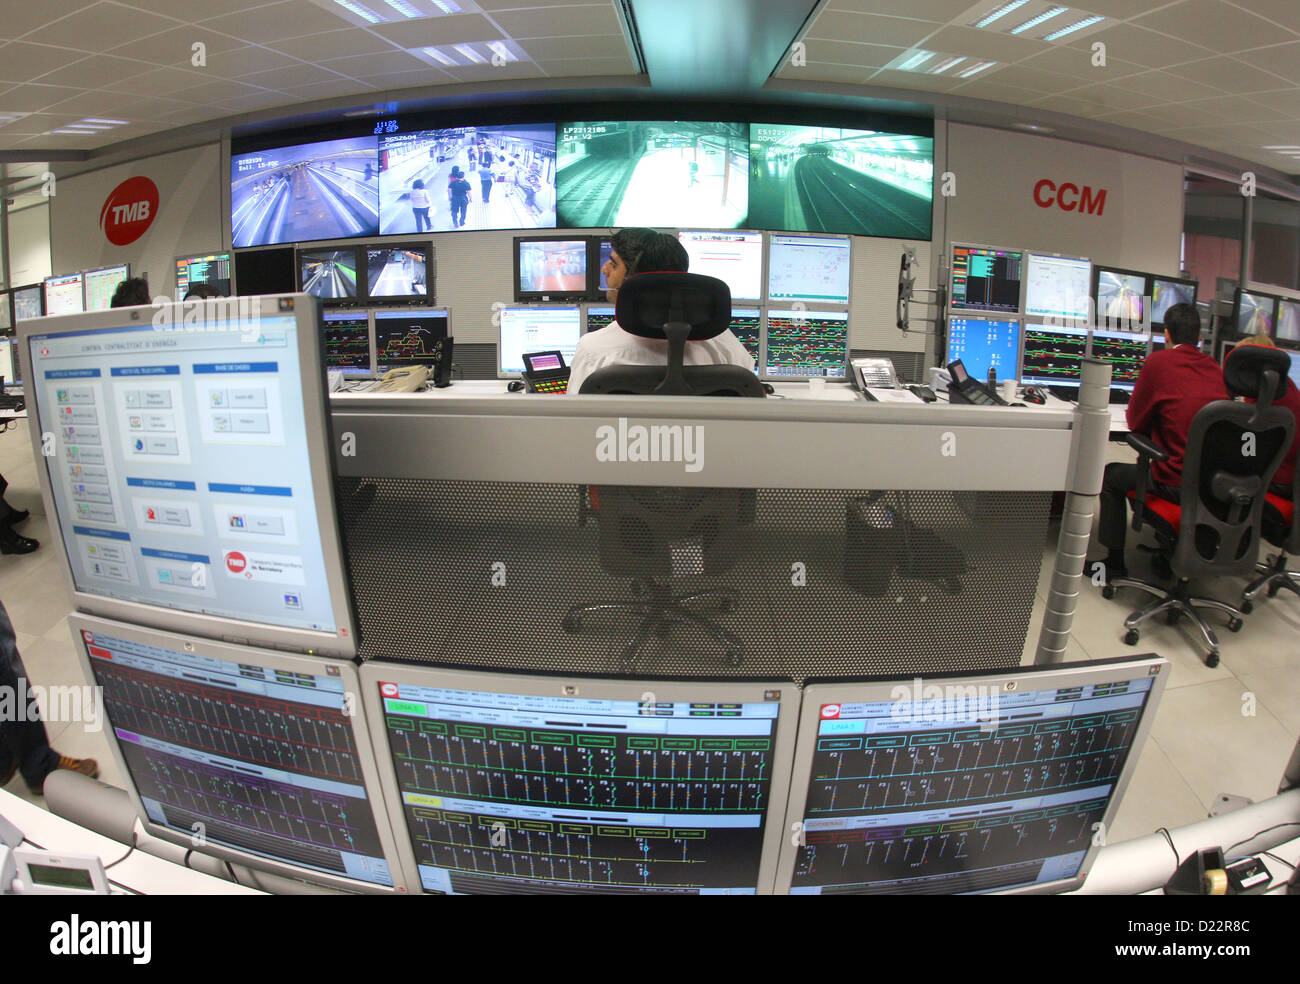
(101, 285)
(347, 341)
(806, 344)
(1125, 351)
(1275, 315)
(514, 784)
(388, 273)
(986, 278)
(252, 755)
(813, 269)
(406, 336)
(536, 328)
(734, 257)
(1053, 355)
(64, 294)
(212, 269)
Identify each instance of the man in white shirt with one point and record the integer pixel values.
(636, 251)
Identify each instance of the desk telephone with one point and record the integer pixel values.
(964, 389)
(545, 372)
(408, 379)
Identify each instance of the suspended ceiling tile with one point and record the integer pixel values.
(98, 28)
(1146, 48)
(1078, 64)
(844, 53)
(494, 73)
(913, 80)
(295, 75)
(334, 44)
(1231, 75)
(331, 90)
(275, 21)
(1165, 87)
(494, 5)
(574, 67)
(192, 10)
(1287, 101)
(1282, 59)
(95, 71)
(158, 80)
(1284, 12)
(826, 72)
(409, 80)
(584, 46)
(1030, 78)
(30, 98)
(1113, 96)
(361, 66)
(559, 21)
(995, 91)
(1213, 24)
(841, 25)
(22, 62)
(984, 44)
(934, 10)
(250, 59)
(21, 19)
(454, 29)
(176, 47)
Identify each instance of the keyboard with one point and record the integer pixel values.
(547, 381)
(14, 403)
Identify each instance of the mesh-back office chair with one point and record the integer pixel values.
(1233, 450)
(1280, 529)
(651, 534)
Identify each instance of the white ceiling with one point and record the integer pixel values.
(1218, 74)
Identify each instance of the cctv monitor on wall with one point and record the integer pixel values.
(323, 190)
(266, 271)
(986, 278)
(399, 273)
(1254, 313)
(468, 177)
(1120, 298)
(191, 486)
(102, 284)
(831, 179)
(551, 268)
(212, 269)
(1168, 291)
(330, 272)
(501, 783)
(992, 782)
(264, 753)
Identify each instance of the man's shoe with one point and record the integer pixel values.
(87, 767)
(17, 516)
(13, 543)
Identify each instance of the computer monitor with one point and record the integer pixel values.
(1294, 374)
(599, 315)
(29, 302)
(399, 272)
(7, 362)
(536, 328)
(985, 343)
(1053, 355)
(547, 785)
(212, 269)
(1125, 351)
(994, 781)
(64, 294)
(735, 258)
(986, 278)
(6, 312)
(605, 247)
(266, 271)
(1120, 296)
(405, 336)
(803, 344)
(102, 284)
(256, 756)
(1168, 291)
(747, 325)
(1057, 287)
(1288, 321)
(347, 341)
(552, 267)
(1254, 313)
(808, 268)
(330, 273)
(191, 486)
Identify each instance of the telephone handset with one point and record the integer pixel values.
(964, 389)
(403, 379)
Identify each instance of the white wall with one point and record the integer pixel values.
(188, 218)
(29, 245)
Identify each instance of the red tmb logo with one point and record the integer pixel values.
(1069, 197)
(129, 210)
(236, 562)
(830, 711)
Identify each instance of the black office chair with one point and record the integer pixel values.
(1281, 530)
(1233, 450)
(651, 534)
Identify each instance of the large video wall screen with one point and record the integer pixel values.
(585, 175)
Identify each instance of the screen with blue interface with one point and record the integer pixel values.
(982, 344)
(986, 279)
(521, 793)
(1053, 356)
(963, 788)
(1125, 351)
(807, 343)
(259, 758)
(808, 268)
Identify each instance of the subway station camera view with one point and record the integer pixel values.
(330, 273)
(487, 177)
(553, 266)
(324, 190)
(653, 174)
(396, 272)
(827, 179)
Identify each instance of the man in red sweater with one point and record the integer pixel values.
(1173, 385)
(1290, 399)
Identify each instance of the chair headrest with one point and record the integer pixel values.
(648, 301)
(1244, 368)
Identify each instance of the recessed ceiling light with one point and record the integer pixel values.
(1041, 18)
(1033, 127)
(499, 48)
(360, 10)
(943, 67)
(1000, 12)
(96, 119)
(79, 133)
(918, 59)
(975, 69)
(447, 6)
(404, 8)
(470, 53)
(1078, 26)
(1283, 147)
(437, 55)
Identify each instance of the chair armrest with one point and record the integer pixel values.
(1146, 447)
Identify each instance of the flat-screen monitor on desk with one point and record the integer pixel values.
(747, 325)
(347, 341)
(803, 344)
(64, 294)
(1125, 351)
(984, 343)
(330, 273)
(984, 782)
(599, 315)
(397, 272)
(1254, 313)
(405, 336)
(1057, 288)
(7, 362)
(814, 269)
(548, 785)
(536, 328)
(1288, 321)
(1120, 296)
(29, 302)
(734, 257)
(1053, 356)
(192, 484)
(1294, 374)
(102, 284)
(1168, 291)
(986, 278)
(260, 752)
(212, 269)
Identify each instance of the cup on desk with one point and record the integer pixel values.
(817, 387)
(1009, 390)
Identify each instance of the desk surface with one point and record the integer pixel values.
(141, 872)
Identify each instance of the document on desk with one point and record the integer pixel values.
(893, 395)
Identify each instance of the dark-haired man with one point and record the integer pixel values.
(131, 292)
(1174, 384)
(634, 251)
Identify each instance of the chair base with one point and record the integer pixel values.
(662, 610)
(1274, 576)
(1173, 605)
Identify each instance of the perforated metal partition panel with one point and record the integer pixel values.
(790, 583)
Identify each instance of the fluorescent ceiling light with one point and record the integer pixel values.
(447, 6)
(404, 8)
(499, 48)
(79, 133)
(96, 119)
(1035, 21)
(437, 55)
(975, 69)
(362, 11)
(1079, 26)
(947, 65)
(92, 126)
(1002, 11)
(1283, 147)
(917, 59)
(470, 53)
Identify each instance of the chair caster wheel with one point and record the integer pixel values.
(1212, 658)
(1247, 606)
(1108, 591)
(1131, 637)
(1273, 589)
(1235, 624)
(571, 623)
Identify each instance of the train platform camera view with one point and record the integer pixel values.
(397, 271)
(485, 177)
(1166, 293)
(964, 785)
(552, 266)
(986, 279)
(328, 273)
(653, 174)
(1121, 297)
(408, 337)
(828, 179)
(1288, 321)
(625, 789)
(327, 190)
(1256, 313)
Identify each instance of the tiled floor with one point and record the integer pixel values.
(1228, 729)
